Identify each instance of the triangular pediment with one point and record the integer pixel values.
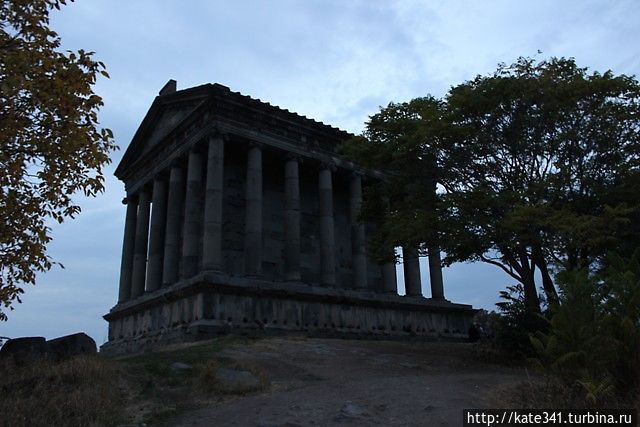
(174, 112)
(166, 121)
(165, 114)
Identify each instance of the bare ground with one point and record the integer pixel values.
(324, 382)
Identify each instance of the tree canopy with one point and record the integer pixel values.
(52, 145)
(535, 166)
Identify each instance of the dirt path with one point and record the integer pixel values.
(324, 382)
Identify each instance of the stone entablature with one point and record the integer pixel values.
(224, 190)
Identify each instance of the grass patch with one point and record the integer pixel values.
(207, 381)
(549, 392)
(157, 392)
(83, 391)
(94, 391)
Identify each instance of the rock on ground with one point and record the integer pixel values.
(28, 349)
(24, 349)
(71, 345)
(236, 381)
(179, 367)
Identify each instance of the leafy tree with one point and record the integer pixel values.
(52, 145)
(535, 165)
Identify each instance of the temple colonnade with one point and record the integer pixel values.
(167, 217)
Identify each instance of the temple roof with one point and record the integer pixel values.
(173, 112)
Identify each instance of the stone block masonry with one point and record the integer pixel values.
(241, 217)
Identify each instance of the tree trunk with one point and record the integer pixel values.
(531, 300)
(547, 281)
(527, 270)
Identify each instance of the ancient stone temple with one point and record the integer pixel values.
(241, 217)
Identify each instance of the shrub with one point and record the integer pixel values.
(515, 325)
(621, 307)
(593, 342)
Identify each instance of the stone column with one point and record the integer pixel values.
(358, 251)
(292, 219)
(156, 234)
(435, 264)
(172, 231)
(327, 238)
(435, 273)
(140, 248)
(192, 212)
(253, 213)
(212, 242)
(411, 266)
(389, 273)
(389, 277)
(128, 244)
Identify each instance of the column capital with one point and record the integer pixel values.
(294, 156)
(197, 148)
(216, 133)
(359, 174)
(255, 144)
(176, 162)
(328, 165)
(146, 188)
(162, 176)
(129, 198)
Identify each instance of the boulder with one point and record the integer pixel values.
(235, 381)
(25, 349)
(71, 345)
(180, 368)
(350, 411)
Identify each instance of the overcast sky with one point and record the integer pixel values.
(334, 61)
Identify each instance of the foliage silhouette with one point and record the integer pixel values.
(52, 146)
(530, 169)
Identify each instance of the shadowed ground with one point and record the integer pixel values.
(343, 382)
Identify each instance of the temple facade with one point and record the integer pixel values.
(240, 217)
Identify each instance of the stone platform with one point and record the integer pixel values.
(210, 304)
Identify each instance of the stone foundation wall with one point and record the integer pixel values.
(212, 304)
